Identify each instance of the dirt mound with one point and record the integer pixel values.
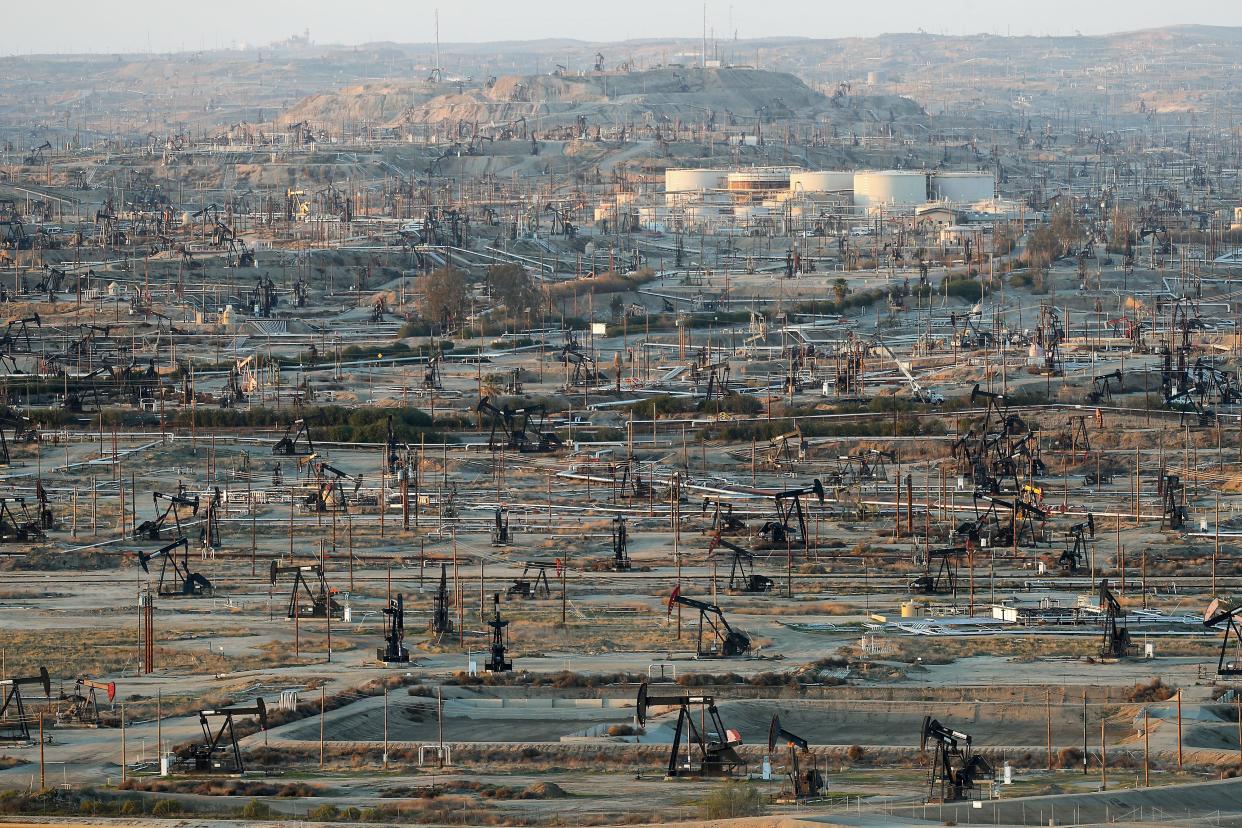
(729, 96)
(379, 102)
(545, 790)
(44, 559)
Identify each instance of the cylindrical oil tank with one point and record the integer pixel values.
(964, 187)
(693, 181)
(890, 188)
(821, 181)
(758, 181)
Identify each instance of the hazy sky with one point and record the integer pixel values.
(139, 25)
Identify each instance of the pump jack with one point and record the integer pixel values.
(320, 598)
(500, 528)
(496, 662)
(392, 456)
(330, 495)
(945, 579)
(620, 546)
(18, 527)
(742, 577)
(207, 756)
(725, 642)
(394, 650)
(807, 785)
(788, 506)
(1174, 508)
(1218, 612)
(952, 748)
(82, 707)
(537, 588)
(1103, 392)
(441, 620)
(14, 723)
(716, 745)
(288, 445)
(150, 529)
(1116, 641)
(520, 433)
(185, 584)
(722, 516)
(1073, 556)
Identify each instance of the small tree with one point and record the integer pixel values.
(513, 287)
(840, 290)
(444, 296)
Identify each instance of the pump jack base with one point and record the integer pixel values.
(382, 657)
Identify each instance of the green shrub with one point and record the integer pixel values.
(324, 813)
(255, 809)
(165, 807)
(731, 800)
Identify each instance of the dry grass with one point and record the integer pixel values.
(222, 787)
(107, 651)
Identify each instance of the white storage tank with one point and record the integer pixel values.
(821, 181)
(890, 188)
(963, 187)
(693, 181)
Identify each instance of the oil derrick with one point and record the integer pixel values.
(1116, 639)
(219, 752)
(716, 638)
(804, 784)
(441, 618)
(181, 582)
(532, 588)
(14, 720)
(710, 747)
(620, 545)
(394, 650)
(496, 662)
(955, 769)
